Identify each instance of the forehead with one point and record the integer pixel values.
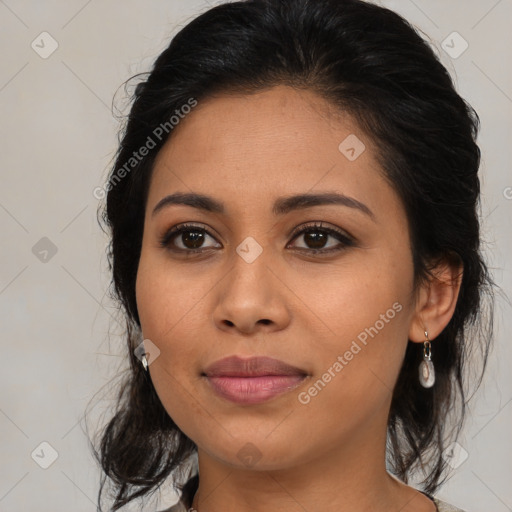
(280, 120)
(250, 148)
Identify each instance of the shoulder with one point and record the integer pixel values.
(442, 506)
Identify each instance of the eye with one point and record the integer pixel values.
(316, 236)
(191, 239)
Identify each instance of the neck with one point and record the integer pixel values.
(352, 478)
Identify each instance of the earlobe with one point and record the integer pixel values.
(436, 301)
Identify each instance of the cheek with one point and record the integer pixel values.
(362, 315)
(171, 304)
(166, 297)
(363, 321)
(165, 302)
(151, 299)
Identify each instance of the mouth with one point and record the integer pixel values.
(254, 380)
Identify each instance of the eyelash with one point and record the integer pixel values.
(346, 240)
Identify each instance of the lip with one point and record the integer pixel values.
(235, 366)
(252, 380)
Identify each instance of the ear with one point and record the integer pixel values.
(436, 300)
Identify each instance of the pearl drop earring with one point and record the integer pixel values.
(426, 369)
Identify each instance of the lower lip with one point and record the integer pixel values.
(254, 390)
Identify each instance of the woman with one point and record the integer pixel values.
(295, 244)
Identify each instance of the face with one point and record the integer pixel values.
(326, 287)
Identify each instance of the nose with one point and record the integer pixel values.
(251, 298)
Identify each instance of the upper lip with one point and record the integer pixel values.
(235, 366)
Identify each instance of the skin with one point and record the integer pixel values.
(305, 309)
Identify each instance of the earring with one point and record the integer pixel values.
(144, 362)
(426, 369)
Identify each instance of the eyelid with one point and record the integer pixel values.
(320, 225)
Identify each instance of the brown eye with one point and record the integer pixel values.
(186, 238)
(192, 239)
(316, 238)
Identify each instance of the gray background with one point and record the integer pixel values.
(61, 340)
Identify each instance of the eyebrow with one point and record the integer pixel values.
(282, 205)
